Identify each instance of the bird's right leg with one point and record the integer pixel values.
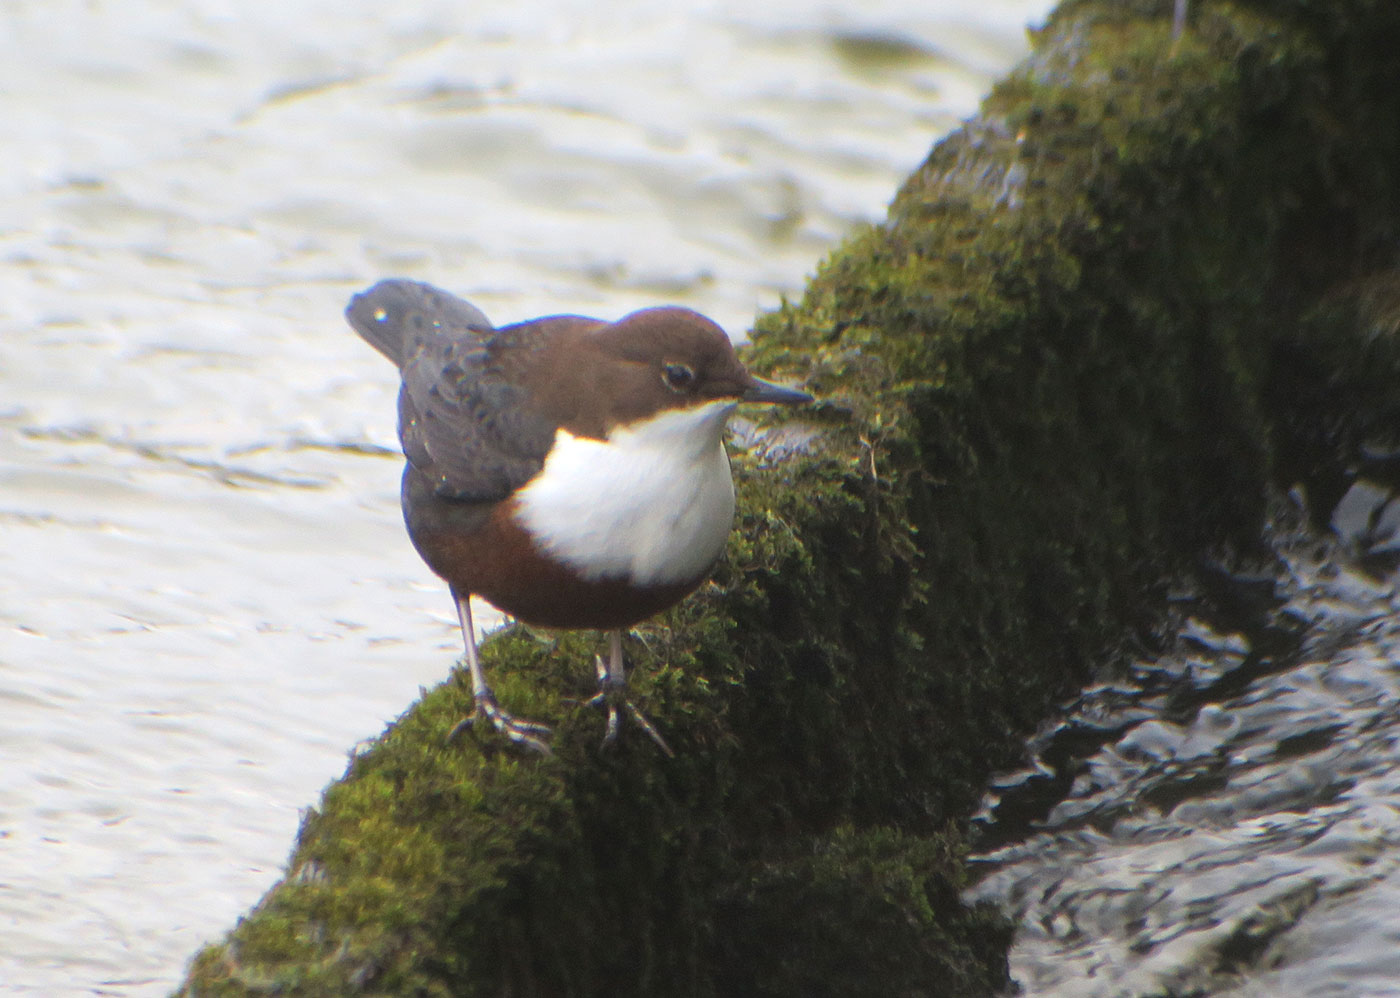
(612, 688)
(529, 734)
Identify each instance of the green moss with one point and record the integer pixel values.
(896, 889)
(1101, 322)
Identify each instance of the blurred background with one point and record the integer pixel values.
(206, 594)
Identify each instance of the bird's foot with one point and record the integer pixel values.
(526, 734)
(612, 694)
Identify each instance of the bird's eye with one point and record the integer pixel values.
(678, 377)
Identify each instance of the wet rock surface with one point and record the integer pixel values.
(1224, 818)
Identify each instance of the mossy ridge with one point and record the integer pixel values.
(1052, 379)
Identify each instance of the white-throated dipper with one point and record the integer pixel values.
(569, 471)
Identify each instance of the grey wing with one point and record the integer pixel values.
(471, 431)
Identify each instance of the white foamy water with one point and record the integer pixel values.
(206, 597)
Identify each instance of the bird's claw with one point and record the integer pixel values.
(526, 734)
(610, 694)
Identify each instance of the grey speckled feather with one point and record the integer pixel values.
(471, 432)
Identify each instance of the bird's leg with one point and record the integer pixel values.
(1178, 19)
(612, 689)
(526, 733)
(612, 680)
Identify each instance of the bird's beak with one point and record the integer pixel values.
(765, 391)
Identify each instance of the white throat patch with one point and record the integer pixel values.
(652, 504)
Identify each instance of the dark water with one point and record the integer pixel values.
(1224, 820)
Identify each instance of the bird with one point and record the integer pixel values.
(569, 470)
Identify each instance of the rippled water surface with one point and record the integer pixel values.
(205, 593)
(1225, 820)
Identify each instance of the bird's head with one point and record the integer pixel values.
(670, 358)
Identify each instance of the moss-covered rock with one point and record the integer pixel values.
(1070, 364)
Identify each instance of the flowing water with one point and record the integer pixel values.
(1225, 818)
(206, 596)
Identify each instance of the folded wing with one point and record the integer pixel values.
(475, 435)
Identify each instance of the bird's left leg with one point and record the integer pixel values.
(612, 690)
(528, 734)
(1178, 19)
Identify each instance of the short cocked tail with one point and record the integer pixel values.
(396, 317)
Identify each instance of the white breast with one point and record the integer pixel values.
(653, 503)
